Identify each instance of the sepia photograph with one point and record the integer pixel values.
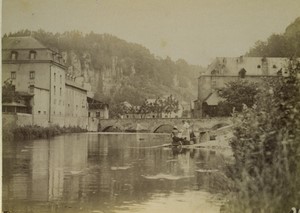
(145, 106)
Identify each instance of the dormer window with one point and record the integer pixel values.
(242, 73)
(14, 55)
(32, 55)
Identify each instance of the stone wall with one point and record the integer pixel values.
(93, 124)
(24, 119)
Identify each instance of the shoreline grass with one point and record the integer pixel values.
(36, 132)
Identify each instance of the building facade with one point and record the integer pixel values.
(39, 72)
(226, 69)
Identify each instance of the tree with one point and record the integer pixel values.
(9, 94)
(239, 93)
(171, 105)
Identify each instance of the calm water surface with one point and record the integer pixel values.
(97, 173)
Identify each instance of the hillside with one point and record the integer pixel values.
(280, 45)
(118, 70)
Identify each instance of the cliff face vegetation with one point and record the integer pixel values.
(280, 45)
(118, 70)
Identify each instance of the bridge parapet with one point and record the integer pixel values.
(152, 124)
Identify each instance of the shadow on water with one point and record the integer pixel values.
(103, 173)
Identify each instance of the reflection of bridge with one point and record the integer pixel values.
(153, 124)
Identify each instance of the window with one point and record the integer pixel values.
(54, 90)
(13, 75)
(60, 91)
(213, 83)
(274, 66)
(31, 88)
(242, 73)
(89, 114)
(14, 55)
(39, 112)
(258, 66)
(60, 79)
(31, 74)
(32, 54)
(44, 112)
(97, 114)
(54, 77)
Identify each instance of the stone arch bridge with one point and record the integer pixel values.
(153, 124)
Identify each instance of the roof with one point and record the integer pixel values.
(75, 85)
(25, 94)
(213, 99)
(227, 66)
(14, 104)
(95, 104)
(27, 42)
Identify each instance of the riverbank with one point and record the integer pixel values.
(36, 132)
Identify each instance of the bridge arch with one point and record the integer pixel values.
(105, 129)
(219, 125)
(164, 128)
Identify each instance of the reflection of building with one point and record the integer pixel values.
(227, 69)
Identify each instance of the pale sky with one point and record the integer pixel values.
(195, 30)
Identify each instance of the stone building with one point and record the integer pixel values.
(226, 69)
(39, 72)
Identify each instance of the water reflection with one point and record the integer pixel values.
(104, 173)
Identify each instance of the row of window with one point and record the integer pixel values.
(32, 55)
(14, 55)
(54, 90)
(13, 75)
(60, 78)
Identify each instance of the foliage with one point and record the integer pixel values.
(266, 148)
(239, 93)
(9, 94)
(282, 45)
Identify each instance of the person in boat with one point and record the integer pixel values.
(185, 132)
(176, 136)
(193, 138)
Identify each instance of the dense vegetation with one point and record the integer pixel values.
(143, 74)
(280, 45)
(266, 148)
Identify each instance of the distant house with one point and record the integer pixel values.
(97, 109)
(227, 69)
(184, 109)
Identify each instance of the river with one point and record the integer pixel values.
(99, 173)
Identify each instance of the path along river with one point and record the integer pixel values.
(99, 173)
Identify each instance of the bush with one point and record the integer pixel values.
(35, 132)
